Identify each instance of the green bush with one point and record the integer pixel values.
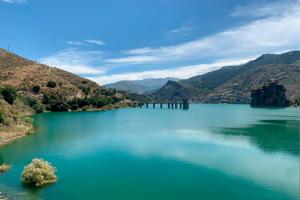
(9, 94)
(100, 101)
(58, 106)
(1, 117)
(30, 101)
(39, 173)
(85, 90)
(38, 108)
(36, 89)
(51, 84)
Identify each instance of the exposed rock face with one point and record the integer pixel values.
(271, 94)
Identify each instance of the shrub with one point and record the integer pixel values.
(39, 173)
(9, 94)
(51, 84)
(85, 90)
(58, 106)
(100, 101)
(36, 89)
(38, 108)
(30, 101)
(1, 117)
(4, 168)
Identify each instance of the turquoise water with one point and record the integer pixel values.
(208, 152)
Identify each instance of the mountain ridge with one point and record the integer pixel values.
(232, 84)
(143, 86)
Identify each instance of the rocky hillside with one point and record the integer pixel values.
(233, 84)
(28, 87)
(140, 86)
(23, 74)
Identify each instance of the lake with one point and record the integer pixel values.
(207, 152)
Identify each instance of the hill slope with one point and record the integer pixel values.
(23, 74)
(140, 86)
(27, 87)
(233, 84)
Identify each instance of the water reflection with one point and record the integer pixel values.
(257, 146)
(270, 135)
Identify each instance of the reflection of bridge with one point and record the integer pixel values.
(184, 104)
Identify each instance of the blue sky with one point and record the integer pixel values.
(112, 40)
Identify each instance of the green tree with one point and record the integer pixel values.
(9, 94)
(36, 89)
(51, 84)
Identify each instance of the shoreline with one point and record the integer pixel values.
(18, 131)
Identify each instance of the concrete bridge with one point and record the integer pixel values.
(170, 105)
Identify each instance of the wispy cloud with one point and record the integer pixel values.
(76, 43)
(180, 72)
(183, 30)
(96, 42)
(266, 9)
(272, 33)
(76, 61)
(86, 42)
(14, 1)
(268, 32)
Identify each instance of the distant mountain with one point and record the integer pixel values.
(140, 86)
(232, 84)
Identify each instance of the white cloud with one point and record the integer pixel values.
(14, 1)
(180, 72)
(266, 10)
(273, 33)
(76, 61)
(96, 42)
(183, 30)
(76, 43)
(274, 29)
(86, 42)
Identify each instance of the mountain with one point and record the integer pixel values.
(28, 87)
(233, 84)
(140, 86)
(23, 74)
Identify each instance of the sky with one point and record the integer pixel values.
(112, 40)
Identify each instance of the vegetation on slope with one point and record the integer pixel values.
(28, 87)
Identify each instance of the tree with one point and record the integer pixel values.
(36, 89)
(51, 84)
(9, 94)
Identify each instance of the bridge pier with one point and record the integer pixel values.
(161, 106)
(153, 105)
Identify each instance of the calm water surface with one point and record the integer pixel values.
(208, 152)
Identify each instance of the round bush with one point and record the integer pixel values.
(51, 84)
(36, 89)
(38, 173)
(9, 94)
